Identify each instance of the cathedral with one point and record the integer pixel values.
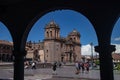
(54, 47)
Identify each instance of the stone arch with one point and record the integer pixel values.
(117, 21)
(6, 44)
(115, 35)
(56, 10)
(37, 17)
(7, 29)
(101, 13)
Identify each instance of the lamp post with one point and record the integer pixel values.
(91, 44)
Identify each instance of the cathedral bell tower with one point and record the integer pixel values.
(51, 42)
(74, 36)
(52, 31)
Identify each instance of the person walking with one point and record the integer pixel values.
(26, 65)
(82, 66)
(87, 67)
(59, 64)
(54, 68)
(77, 67)
(33, 65)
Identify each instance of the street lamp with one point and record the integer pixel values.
(91, 44)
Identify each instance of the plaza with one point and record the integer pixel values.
(66, 72)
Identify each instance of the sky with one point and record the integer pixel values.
(67, 20)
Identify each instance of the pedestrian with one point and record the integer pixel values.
(26, 65)
(77, 67)
(34, 65)
(59, 64)
(87, 66)
(82, 66)
(54, 68)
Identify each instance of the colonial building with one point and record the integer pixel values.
(6, 48)
(35, 51)
(54, 47)
(116, 57)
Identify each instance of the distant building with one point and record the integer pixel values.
(6, 48)
(116, 57)
(54, 47)
(35, 51)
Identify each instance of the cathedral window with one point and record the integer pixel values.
(74, 38)
(51, 33)
(47, 34)
(47, 51)
(71, 39)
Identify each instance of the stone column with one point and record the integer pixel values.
(106, 63)
(19, 64)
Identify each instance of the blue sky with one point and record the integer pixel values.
(67, 21)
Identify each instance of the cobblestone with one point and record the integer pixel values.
(63, 73)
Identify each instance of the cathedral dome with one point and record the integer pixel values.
(52, 24)
(74, 33)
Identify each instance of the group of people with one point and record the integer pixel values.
(82, 67)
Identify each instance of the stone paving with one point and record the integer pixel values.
(63, 73)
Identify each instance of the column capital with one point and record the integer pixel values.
(109, 48)
(19, 53)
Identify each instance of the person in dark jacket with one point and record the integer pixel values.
(54, 68)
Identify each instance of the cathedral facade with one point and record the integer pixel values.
(54, 47)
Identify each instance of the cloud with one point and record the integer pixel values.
(86, 49)
(117, 39)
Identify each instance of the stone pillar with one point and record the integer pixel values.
(19, 64)
(106, 63)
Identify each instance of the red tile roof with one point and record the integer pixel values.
(116, 56)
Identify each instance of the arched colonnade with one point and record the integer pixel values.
(20, 15)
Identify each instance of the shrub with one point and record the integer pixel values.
(118, 67)
(97, 62)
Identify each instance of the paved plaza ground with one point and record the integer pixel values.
(63, 73)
